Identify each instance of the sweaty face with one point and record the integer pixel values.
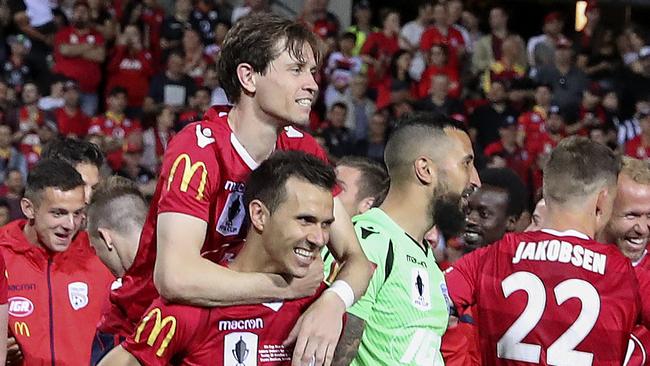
(486, 217)
(286, 91)
(348, 179)
(299, 228)
(629, 225)
(57, 217)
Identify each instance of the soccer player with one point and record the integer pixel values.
(115, 217)
(289, 203)
(266, 69)
(556, 296)
(629, 229)
(404, 313)
(57, 285)
(491, 211)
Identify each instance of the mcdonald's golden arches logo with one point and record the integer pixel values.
(189, 170)
(21, 328)
(158, 325)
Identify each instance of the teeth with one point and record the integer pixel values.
(302, 252)
(304, 102)
(636, 241)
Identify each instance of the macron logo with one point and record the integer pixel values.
(203, 136)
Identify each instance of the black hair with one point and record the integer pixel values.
(267, 182)
(54, 173)
(373, 180)
(507, 180)
(74, 151)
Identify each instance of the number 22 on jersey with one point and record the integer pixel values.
(562, 351)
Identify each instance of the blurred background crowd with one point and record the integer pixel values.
(128, 74)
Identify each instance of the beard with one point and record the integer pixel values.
(447, 213)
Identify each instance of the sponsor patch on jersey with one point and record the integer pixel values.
(20, 307)
(233, 215)
(420, 289)
(78, 295)
(292, 132)
(203, 136)
(240, 349)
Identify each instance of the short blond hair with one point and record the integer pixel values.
(637, 170)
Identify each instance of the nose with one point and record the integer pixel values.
(643, 226)
(310, 84)
(471, 217)
(68, 222)
(318, 237)
(474, 180)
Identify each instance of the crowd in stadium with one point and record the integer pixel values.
(126, 128)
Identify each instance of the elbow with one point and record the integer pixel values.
(169, 284)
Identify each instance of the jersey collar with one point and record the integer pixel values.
(241, 151)
(575, 233)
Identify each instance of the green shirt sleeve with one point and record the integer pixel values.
(375, 246)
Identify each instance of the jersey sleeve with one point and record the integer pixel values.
(375, 245)
(189, 173)
(166, 331)
(462, 278)
(3, 281)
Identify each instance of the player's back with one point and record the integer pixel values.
(550, 298)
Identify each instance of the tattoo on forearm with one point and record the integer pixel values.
(349, 343)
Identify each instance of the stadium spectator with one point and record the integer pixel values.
(430, 164)
(269, 247)
(79, 51)
(360, 108)
(130, 66)
(265, 97)
(14, 185)
(116, 129)
(488, 48)
(55, 99)
(439, 101)
(455, 11)
(601, 62)
(172, 87)
(339, 140)
(204, 19)
(316, 16)
(590, 111)
(155, 139)
(441, 32)
(4, 214)
(102, 20)
(412, 31)
(341, 67)
(471, 22)
(248, 7)
(531, 123)
(26, 121)
(10, 157)
(506, 153)
(195, 61)
(438, 65)
(372, 146)
(84, 156)
(541, 48)
(566, 80)
(639, 146)
(49, 251)
(173, 26)
(16, 71)
(397, 86)
(579, 206)
(133, 169)
(199, 104)
(635, 79)
(362, 26)
(506, 68)
(70, 119)
(380, 47)
(485, 120)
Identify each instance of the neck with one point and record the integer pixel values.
(453, 254)
(562, 218)
(252, 257)
(70, 109)
(405, 206)
(500, 33)
(253, 129)
(563, 66)
(30, 234)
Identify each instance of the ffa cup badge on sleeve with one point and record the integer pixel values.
(78, 295)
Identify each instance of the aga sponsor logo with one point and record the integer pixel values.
(20, 307)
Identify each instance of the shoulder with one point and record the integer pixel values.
(294, 138)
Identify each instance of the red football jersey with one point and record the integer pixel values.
(532, 124)
(203, 174)
(638, 347)
(232, 335)
(86, 72)
(636, 148)
(550, 298)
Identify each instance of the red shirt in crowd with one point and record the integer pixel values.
(116, 126)
(55, 300)
(380, 47)
(86, 72)
(203, 174)
(637, 148)
(453, 39)
(232, 335)
(532, 124)
(132, 71)
(424, 85)
(76, 124)
(546, 297)
(517, 160)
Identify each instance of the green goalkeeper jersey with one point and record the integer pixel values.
(406, 306)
